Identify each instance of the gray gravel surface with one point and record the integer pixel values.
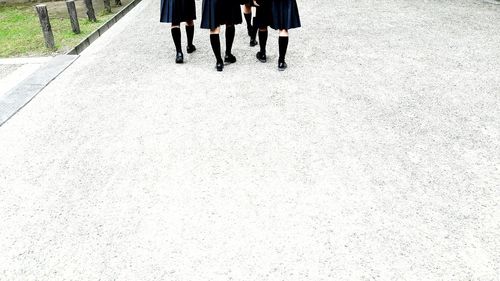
(375, 156)
(6, 69)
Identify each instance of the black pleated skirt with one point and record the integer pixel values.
(219, 12)
(177, 11)
(246, 2)
(284, 14)
(263, 15)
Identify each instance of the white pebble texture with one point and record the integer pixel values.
(374, 156)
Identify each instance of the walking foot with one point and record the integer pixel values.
(179, 58)
(191, 48)
(219, 66)
(282, 66)
(229, 58)
(261, 56)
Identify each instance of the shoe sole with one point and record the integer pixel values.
(179, 61)
(260, 59)
(190, 51)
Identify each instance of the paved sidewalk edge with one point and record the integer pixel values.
(26, 60)
(25, 91)
(78, 49)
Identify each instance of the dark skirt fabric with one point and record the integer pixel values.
(219, 12)
(263, 15)
(246, 2)
(177, 11)
(285, 14)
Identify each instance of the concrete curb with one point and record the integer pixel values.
(100, 31)
(25, 91)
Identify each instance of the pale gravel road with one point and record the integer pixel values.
(375, 156)
(5, 70)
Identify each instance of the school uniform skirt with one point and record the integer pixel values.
(284, 14)
(219, 12)
(263, 14)
(246, 2)
(177, 11)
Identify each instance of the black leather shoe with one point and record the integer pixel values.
(190, 49)
(219, 66)
(282, 65)
(253, 43)
(179, 58)
(261, 56)
(230, 58)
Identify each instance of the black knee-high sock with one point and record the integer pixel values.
(248, 19)
(283, 45)
(253, 32)
(190, 34)
(230, 31)
(215, 42)
(176, 35)
(263, 40)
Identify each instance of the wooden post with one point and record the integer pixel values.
(43, 15)
(107, 6)
(90, 10)
(73, 17)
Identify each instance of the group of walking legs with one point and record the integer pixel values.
(280, 15)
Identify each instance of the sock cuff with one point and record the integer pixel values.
(283, 39)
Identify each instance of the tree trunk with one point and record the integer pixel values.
(73, 17)
(43, 15)
(107, 6)
(90, 10)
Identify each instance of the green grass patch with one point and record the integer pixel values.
(21, 35)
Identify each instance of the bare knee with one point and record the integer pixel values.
(215, 30)
(284, 32)
(247, 9)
